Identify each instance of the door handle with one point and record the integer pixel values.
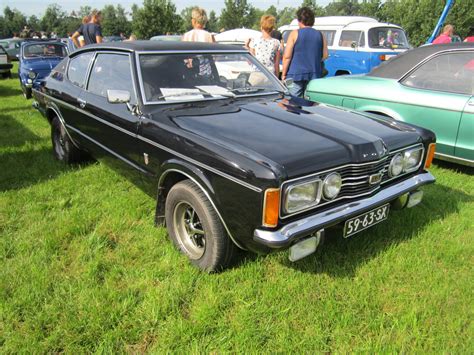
(82, 103)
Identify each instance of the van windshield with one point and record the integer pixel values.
(388, 37)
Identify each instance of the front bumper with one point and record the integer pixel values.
(288, 234)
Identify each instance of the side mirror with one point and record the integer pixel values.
(354, 45)
(289, 82)
(118, 96)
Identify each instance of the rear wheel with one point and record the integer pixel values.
(195, 228)
(7, 75)
(63, 148)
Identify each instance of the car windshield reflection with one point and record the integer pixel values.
(184, 77)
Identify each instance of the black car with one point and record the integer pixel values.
(233, 161)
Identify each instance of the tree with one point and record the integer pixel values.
(156, 17)
(342, 8)
(318, 10)
(186, 15)
(114, 21)
(370, 8)
(53, 18)
(236, 14)
(13, 21)
(34, 23)
(213, 23)
(286, 15)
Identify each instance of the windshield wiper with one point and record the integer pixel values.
(186, 93)
(255, 89)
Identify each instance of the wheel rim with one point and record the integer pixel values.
(188, 230)
(59, 142)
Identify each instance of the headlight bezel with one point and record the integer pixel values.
(287, 190)
(392, 161)
(419, 162)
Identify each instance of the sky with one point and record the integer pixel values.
(37, 7)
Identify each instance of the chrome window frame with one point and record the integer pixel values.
(158, 52)
(86, 78)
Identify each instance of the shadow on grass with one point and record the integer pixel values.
(463, 169)
(22, 169)
(339, 257)
(7, 91)
(14, 133)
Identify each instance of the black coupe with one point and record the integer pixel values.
(232, 160)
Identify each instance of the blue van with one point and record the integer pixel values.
(356, 44)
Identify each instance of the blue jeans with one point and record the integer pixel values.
(298, 88)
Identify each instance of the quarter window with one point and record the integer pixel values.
(451, 72)
(111, 72)
(329, 36)
(348, 37)
(77, 69)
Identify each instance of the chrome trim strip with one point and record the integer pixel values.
(163, 175)
(191, 160)
(342, 167)
(107, 149)
(218, 51)
(204, 166)
(453, 159)
(286, 235)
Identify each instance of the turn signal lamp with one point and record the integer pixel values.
(430, 155)
(271, 207)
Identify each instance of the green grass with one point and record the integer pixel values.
(83, 269)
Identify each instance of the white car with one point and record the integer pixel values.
(5, 65)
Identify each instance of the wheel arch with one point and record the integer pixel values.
(340, 72)
(52, 112)
(175, 171)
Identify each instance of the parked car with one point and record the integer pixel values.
(12, 46)
(37, 59)
(112, 39)
(431, 86)
(356, 44)
(166, 38)
(232, 163)
(5, 65)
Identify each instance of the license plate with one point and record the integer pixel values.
(366, 220)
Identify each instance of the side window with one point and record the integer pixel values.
(77, 69)
(450, 72)
(59, 70)
(111, 72)
(329, 36)
(347, 37)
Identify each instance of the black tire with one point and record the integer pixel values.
(218, 250)
(7, 75)
(63, 148)
(27, 93)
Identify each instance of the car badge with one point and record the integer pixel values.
(145, 158)
(375, 178)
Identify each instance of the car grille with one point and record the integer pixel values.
(355, 178)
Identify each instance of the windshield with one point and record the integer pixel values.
(388, 37)
(182, 77)
(44, 50)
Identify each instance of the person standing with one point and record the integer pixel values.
(198, 33)
(445, 37)
(91, 31)
(266, 49)
(470, 35)
(305, 50)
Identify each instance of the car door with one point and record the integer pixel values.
(112, 127)
(435, 95)
(464, 149)
(348, 60)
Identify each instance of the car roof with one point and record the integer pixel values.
(138, 46)
(398, 66)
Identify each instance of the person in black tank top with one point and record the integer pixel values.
(305, 50)
(91, 31)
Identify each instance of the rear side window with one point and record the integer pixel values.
(348, 37)
(77, 69)
(450, 72)
(329, 35)
(59, 70)
(111, 72)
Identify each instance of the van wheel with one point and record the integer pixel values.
(63, 148)
(195, 228)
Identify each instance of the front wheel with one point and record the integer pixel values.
(195, 228)
(26, 93)
(7, 75)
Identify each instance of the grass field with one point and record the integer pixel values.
(83, 269)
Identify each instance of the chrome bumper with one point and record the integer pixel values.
(286, 235)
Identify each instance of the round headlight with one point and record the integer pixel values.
(332, 186)
(396, 165)
(31, 75)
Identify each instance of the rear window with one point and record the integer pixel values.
(349, 37)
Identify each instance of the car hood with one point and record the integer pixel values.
(40, 64)
(298, 135)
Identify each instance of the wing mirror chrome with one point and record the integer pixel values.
(354, 45)
(289, 82)
(118, 96)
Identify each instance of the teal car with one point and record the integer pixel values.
(430, 86)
